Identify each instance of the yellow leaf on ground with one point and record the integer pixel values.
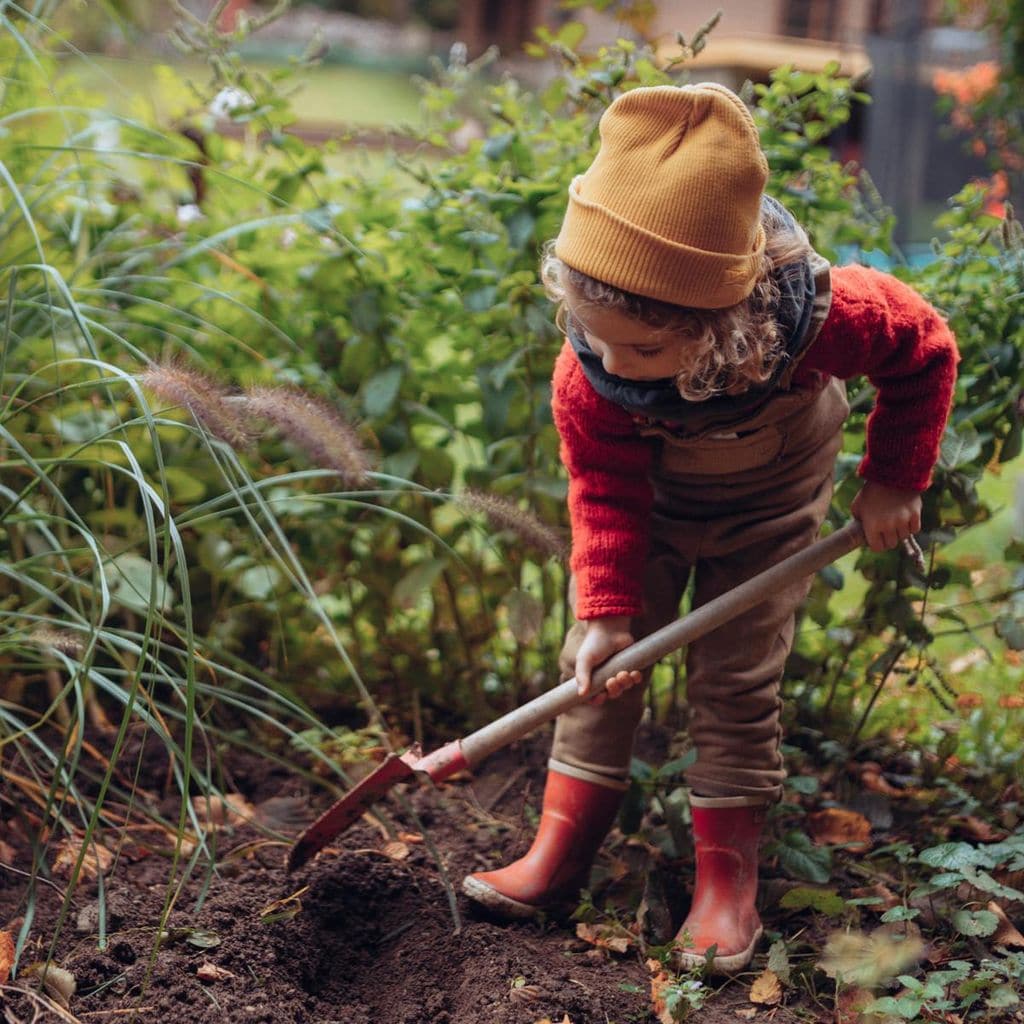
(766, 990)
(1006, 933)
(396, 850)
(835, 826)
(6, 956)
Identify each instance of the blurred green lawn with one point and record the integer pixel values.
(326, 94)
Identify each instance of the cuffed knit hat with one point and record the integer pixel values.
(670, 207)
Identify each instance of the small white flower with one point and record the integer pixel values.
(106, 136)
(288, 238)
(189, 213)
(229, 99)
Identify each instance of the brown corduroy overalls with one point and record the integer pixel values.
(725, 507)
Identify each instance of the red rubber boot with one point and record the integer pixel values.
(726, 833)
(576, 817)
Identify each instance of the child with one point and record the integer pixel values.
(700, 403)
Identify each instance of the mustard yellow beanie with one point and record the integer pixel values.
(671, 206)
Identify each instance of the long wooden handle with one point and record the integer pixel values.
(523, 720)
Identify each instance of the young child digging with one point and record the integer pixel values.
(699, 401)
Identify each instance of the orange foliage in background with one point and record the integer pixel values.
(968, 89)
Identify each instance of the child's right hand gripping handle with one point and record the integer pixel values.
(652, 648)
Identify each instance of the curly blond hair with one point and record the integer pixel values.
(728, 350)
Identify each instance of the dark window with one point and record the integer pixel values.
(811, 19)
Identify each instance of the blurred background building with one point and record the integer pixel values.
(895, 48)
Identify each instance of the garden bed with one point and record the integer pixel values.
(365, 933)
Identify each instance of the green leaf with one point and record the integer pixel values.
(130, 578)
(975, 922)
(959, 449)
(824, 901)
(416, 582)
(381, 390)
(778, 961)
(806, 784)
(184, 486)
(1011, 630)
(801, 859)
(671, 769)
(81, 421)
(256, 582)
(952, 856)
(1001, 997)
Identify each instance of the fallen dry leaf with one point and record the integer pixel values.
(746, 1012)
(875, 782)
(1006, 933)
(835, 826)
(410, 837)
(850, 1003)
(215, 811)
(6, 956)
(525, 993)
(659, 980)
(7, 853)
(605, 936)
(976, 828)
(766, 990)
(97, 860)
(884, 893)
(211, 972)
(396, 850)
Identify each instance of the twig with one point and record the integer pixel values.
(115, 1013)
(511, 781)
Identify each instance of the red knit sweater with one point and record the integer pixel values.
(877, 326)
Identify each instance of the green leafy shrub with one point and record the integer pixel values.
(411, 303)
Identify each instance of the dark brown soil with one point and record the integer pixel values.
(370, 936)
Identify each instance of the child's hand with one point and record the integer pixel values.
(603, 638)
(888, 514)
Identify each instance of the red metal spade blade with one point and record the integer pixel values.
(340, 815)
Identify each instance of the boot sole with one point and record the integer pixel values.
(489, 897)
(719, 964)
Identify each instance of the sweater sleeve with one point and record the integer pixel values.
(610, 493)
(880, 327)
